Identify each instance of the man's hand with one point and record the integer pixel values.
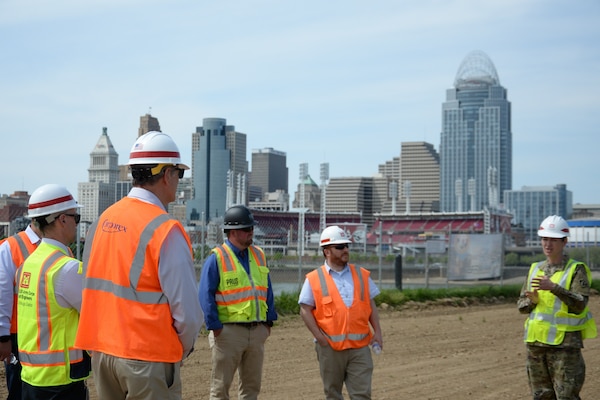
(5, 350)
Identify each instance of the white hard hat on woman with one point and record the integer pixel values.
(554, 227)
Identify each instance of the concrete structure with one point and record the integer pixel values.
(476, 139)
(353, 195)
(312, 195)
(585, 211)
(98, 193)
(147, 124)
(269, 172)
(419, 165)
(13, 212)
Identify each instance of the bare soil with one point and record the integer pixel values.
(431, 351)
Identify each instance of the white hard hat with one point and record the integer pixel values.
(333, 235)
(50, 199)
(554, 227)
(155, 148)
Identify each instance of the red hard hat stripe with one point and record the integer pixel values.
(50, 202)
(154, 154)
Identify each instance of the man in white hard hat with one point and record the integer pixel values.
(555, 295)
(49, 288)
(140, 314)
(337, 306)
(13, 252)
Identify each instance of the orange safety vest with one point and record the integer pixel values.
(124, 311)
(345, 327)
(20, 248)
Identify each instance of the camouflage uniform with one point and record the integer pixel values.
(557, 372)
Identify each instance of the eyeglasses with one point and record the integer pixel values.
(248, 229)
(340, 246)
(77, 217)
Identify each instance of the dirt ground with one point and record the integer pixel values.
(430, 352)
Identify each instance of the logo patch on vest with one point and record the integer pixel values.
(231, 282)
(111, 227)
(25, 280)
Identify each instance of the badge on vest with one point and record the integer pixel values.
(231, 282)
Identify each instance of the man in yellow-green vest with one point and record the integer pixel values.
(555, 295)
(49, 298)
(239, 309)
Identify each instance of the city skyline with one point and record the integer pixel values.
(343, 82)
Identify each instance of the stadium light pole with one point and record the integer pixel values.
(303, 175)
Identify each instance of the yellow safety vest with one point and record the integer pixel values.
(550, 318)
(241, 297)
(47, 329)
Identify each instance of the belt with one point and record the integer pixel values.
(249, 324)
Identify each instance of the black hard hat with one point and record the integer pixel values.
(238, 217)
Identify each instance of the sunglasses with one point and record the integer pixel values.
(180, 172)
(340, 246)
(248, 229)
(77, 217)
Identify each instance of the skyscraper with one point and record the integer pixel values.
(148, 123)
(420, 171)
(219, 169)
(98, 193)
(476, 139)
(269, 171)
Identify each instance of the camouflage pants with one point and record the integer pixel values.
(555, 373)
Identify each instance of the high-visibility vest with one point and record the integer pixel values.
(20, 248)
(241, 297)
(345, 327)
(550, 319)
(47, 329)
(124, 311)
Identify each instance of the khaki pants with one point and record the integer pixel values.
(119, 378)
(351, 366)
(238, 348)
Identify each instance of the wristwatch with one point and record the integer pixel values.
(4, 339)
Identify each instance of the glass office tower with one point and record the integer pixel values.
(218, 156)
(476, 139)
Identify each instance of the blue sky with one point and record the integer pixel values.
(343, 82)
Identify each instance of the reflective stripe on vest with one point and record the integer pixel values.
(130, 292)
